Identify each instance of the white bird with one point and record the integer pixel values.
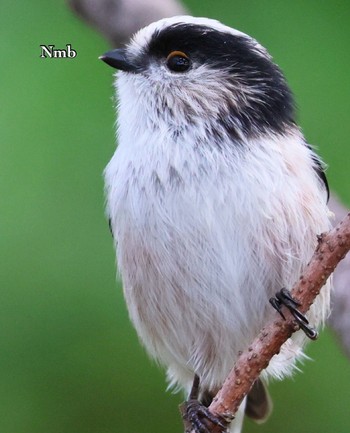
(215, 202)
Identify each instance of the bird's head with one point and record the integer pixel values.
(185, 70)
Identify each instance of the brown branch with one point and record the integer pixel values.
(117, 20)
(331, 249)
(339, 320)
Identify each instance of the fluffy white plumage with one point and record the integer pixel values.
(207, 231)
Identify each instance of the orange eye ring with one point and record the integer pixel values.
(178, 61)
(177, 53)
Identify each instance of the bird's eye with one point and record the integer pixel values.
(177, 61)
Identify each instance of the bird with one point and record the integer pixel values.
(215, 200)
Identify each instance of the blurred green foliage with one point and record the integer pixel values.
(70, 361)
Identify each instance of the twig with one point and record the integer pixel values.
(117, 20)
(340, 298)
(331, 249)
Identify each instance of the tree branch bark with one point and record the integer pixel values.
(339, 319)
(118, 20)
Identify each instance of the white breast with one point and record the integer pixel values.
(204, 236)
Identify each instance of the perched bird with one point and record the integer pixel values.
(215, 202)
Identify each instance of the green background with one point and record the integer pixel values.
(70, 361)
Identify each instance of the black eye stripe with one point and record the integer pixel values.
(238, 56)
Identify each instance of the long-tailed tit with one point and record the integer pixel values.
(215, 202)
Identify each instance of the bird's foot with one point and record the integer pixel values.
(284, 297)
(198, 418)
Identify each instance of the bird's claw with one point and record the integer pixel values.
(199, 418)
(284, 297)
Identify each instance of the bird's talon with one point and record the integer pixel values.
(200, 418)
(309, 331)
(284, 297)
(277, 306)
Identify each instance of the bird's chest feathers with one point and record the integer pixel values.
(182, 213)
(154, 187)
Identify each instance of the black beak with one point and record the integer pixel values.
(117, 59)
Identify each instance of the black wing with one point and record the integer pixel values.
(320, 169)
(110, 225)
